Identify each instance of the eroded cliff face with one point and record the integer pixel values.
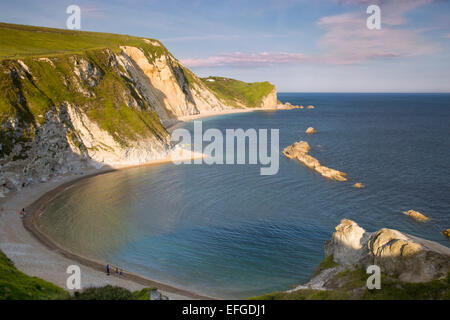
(270, 100)
(174, 90)
(63, 114)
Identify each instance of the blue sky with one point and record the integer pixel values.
(299, 45)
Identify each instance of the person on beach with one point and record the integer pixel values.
(22, 213)
(107, 269)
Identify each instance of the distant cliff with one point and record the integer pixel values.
(71, 99)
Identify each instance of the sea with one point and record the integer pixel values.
(227, 231)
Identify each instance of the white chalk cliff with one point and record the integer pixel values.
(102, 107)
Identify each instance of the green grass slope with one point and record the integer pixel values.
(19, 41)
(238, 93)
(112, 293)
(351, 285)
(16, 285)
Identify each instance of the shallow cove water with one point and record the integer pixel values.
(228, 232)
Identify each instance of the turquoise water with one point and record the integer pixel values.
(228, 232)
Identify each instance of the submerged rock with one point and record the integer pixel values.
(358, 185)
(310, 130)
(416, 215)
(406, 257)
(299, 151)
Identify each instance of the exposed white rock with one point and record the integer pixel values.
(24, 66)
(409, 258)
(270, 100)
(47, 60)
(347, 244)
(165, 86)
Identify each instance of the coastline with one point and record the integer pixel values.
(30, 223)
(35, 254)
(180, 120)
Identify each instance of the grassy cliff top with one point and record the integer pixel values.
(16, 285)
(19, 41)
(236, 92)
(350, 284)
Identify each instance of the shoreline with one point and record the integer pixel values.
(180, 120)
(30, 223)
(36, 254)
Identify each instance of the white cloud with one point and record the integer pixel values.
(347, 40)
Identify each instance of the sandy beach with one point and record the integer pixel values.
(37, 255)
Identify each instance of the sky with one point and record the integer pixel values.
(298, 45)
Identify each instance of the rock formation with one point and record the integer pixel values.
(310, 107)
(416, 215)
(358, 185)
(299, 151)
(406, 257)
(287, 106)
(446, 233)
(310, 130)
(64, 113)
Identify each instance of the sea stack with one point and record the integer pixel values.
(416, 215)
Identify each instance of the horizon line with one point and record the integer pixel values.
(392, 92)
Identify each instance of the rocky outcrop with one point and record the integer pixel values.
(65, 113)
(270, 100)
(416, 215)
(310, 130)
(358, 185)
(287, 106)
(408, 258)
(299, 151)
(446, 233)
(310, 107)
